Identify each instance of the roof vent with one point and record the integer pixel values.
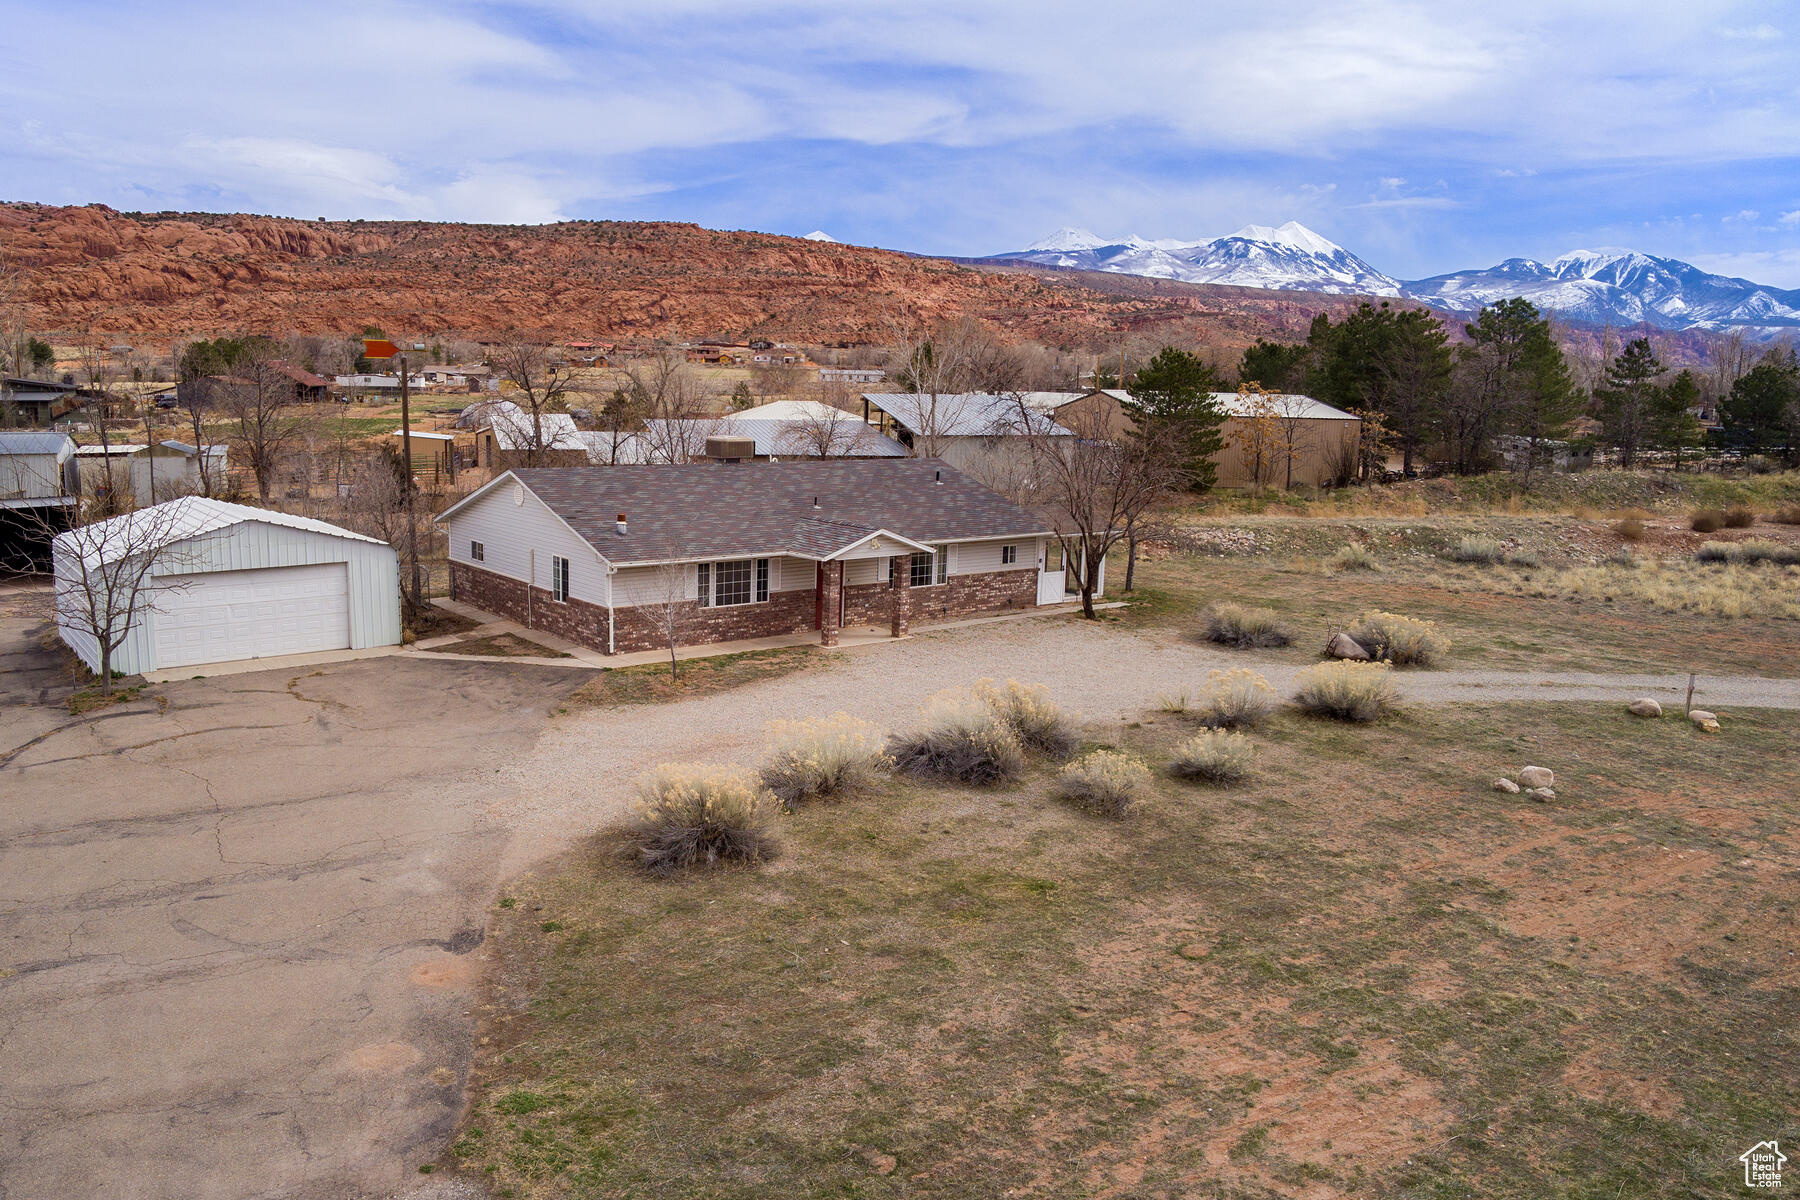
(620, 525)
(937, 477)
(815, 502)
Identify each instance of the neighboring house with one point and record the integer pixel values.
(610, 557)
(40, 487)
(433, 454)
(308, 388)
(851, 374)
(1516, 452)
(35, 402)
(232, 582)
(152, 473)
(983, 433)
(1325, 437)
(508, 435)
(783, 429)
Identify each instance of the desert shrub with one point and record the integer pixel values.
(1353, 557)
(1403, 641)
(1749, 553)
(1482, 551)
(1788, 515)
(1036, 721)
(1630, 529)
(1235, 625)
(822, 760)
(1177, 704)
(1103, 781)
(1346, 691)
(1234, 699)
(961, 740)
(1739, 518)
(1707, 522)
(690, 816)
(1213, 756)
(1530, 559)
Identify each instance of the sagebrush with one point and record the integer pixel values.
(690, 816)
(1213, 756)
(1038, 722)
(959, 740)
(1353, 557)
(1236, 625)
(1234, 699)
(1401, 640)
(1707, 522)
(1749, 552)
(826, 759)
(1103, 781)
(1481, 551)
(1346, 691)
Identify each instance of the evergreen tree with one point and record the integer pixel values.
(1763, 411)
(1511, 377)
(1395, 362)
(1278, 366)
(1675, 426)
(1630, 400)
(1174, 394)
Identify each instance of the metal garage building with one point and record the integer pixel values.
(229, 582)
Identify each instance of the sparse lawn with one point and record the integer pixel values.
(1573, 612)
(1359, 973)
(651, 684)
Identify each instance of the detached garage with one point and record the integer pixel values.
(216, 582)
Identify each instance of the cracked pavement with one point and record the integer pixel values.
(239, 919)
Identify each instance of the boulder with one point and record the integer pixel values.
(1506, 785)
(1537, 777)
(1542, 794)
(1644, 706)
(1707, 726)
(1342, 645)
(1700, 716)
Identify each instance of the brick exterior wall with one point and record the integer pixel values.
(640, 628)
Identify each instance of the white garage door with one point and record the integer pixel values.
(226, 615)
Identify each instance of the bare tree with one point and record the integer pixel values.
(99, 378)
(15, 335)
(108, 574)
(540, 388)
(1293, 433)
(258, 399)
(825, 433)
(1257, 434)
(776, 381)
(674, 405)
(941, 368)
(1096, 490)
(673, 604)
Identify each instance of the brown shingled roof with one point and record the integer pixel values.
(719, 510)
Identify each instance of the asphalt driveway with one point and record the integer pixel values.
(238, 918)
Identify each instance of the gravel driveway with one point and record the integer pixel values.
(579, 776)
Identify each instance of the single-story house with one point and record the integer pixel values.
(40, 486)
(38, 402)
(613, 557)
(508, 435)
(1326, 438)
(982, 433)
(783, 429)
(851, 374)
(226, 582)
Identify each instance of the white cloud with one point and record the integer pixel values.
(1777, 268)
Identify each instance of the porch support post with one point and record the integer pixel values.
(831, 595)
(900, 583)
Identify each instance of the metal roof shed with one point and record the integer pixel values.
(228, 582)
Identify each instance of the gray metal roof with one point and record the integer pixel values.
(33, 441)
(723, 510)
(965, 414)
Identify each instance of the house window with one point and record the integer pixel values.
(1009, 555)
(559, 578)
(731, 582)
(704, 588)
(477, 552)
(929, 568)
(762, 580)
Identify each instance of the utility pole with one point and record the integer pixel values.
(380, 348)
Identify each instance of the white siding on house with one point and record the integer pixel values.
(374, 583)
(793, 575)
(634, 586)
(509, 533)
(978, 558)
(858, 571)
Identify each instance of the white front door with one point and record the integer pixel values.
(221, 616)
(1050, 572)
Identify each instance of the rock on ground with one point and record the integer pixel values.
(1541, 793)
(1342, 645)
(1644, 706)
(1537, 777)
(1506, 785)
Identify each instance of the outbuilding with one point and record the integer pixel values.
(223, 582)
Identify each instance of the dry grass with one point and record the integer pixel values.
(1105, 782)
(1353, 557)
(1739, 518)
(698, 816)
(652, 684)
(1733, 591)
(1213, 756)
(1707, 522)
(1480, 551)
(1631, 529)
(1400, 640)
(1235, 699)
(1245, 628)
(1359, 973)
(959, 739)
(1036, 721)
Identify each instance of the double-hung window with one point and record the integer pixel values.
(477, 552)
(559, 578)
(732, 581)
(1009, 555)
(930, 568)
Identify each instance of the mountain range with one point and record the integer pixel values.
(1620, 287)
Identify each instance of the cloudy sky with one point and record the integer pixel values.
(1424, 136)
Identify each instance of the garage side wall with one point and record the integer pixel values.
(373, 569)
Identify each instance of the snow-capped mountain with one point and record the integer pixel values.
(1290, 258)
(1617, 286)
(1620, 287)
